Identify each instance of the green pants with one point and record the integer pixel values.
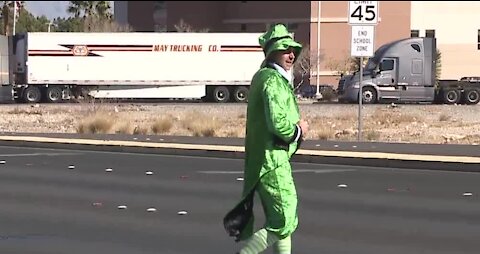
(279, 200)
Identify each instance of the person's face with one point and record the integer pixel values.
(284, 58)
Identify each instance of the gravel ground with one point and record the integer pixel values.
(458, 124)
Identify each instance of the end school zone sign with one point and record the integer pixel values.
(363, 38)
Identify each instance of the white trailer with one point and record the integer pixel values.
(5, 71)
(56, 66)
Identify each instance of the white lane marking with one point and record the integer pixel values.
(36, 154)
(316, 171)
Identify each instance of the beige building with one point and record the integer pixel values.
(456, 26)
(255, 16)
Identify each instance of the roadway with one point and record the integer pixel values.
(401, 155)
(100, 205)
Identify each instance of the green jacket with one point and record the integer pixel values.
(272, 118)
(272, 137)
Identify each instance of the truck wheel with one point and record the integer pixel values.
(240, 94)
(451, 96)
(221, 94)
(471, 96)
(369, 95)
(32, 94)
(54, 94)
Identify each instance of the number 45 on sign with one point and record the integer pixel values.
(363, 12)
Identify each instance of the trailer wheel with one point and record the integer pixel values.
(32, 94)
(472, 96)
(221, 94)
(54, 94)
(451, 96)
(369, 95)
(240, 94)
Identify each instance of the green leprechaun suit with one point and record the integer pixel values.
(272, 137)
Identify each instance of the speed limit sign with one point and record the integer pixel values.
(363, 12)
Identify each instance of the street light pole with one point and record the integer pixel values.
(49, 24)
(319, 10)
(14, 15)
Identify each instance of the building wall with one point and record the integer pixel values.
(456, 26)
(335, 33)
(121, 12)
(255, 16)
(140, 15)
(199, 14)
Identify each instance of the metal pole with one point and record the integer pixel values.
(360, 99)
(14, 15)
(319, 5)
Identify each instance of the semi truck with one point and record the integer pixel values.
(58, 66)
(405, 71)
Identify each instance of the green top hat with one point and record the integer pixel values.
(278, 38)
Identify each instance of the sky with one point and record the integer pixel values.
(51, 9)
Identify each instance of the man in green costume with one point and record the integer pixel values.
(274, 131)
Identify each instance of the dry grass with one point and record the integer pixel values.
(405, 123)
(19, 111)
(348, 116)
(162, 125)
(391, 118)
(140, 129)
(99, 122)
(321, 129)
(372, 135)
(324, 133)
(444, 117)
(200, 125)
(125, 128)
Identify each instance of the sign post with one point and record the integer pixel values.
(362, 17)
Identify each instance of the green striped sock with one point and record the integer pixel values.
(259, 242)
(283, 246)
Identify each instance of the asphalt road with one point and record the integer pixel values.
(48, 207)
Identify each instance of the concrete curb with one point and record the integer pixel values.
(372, 159)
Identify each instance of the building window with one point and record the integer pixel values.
(243, 27)
(414, 33)
(430, 33)
(416, 47)
(478, 40)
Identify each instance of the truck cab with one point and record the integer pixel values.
(402, 70)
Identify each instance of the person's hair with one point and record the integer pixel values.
(271, 57)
